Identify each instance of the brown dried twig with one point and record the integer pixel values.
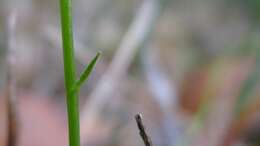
(11, 112)
(11, 101)
(146, 139)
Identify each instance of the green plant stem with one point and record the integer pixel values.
(70, 72)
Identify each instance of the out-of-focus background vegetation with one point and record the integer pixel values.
(194, 75)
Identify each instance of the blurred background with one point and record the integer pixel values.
(190, 67)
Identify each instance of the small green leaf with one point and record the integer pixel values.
(85, 74)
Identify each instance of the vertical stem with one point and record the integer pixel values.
(70, 72)
(12, 112)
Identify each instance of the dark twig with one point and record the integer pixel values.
(144, 136)
(11, 111)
